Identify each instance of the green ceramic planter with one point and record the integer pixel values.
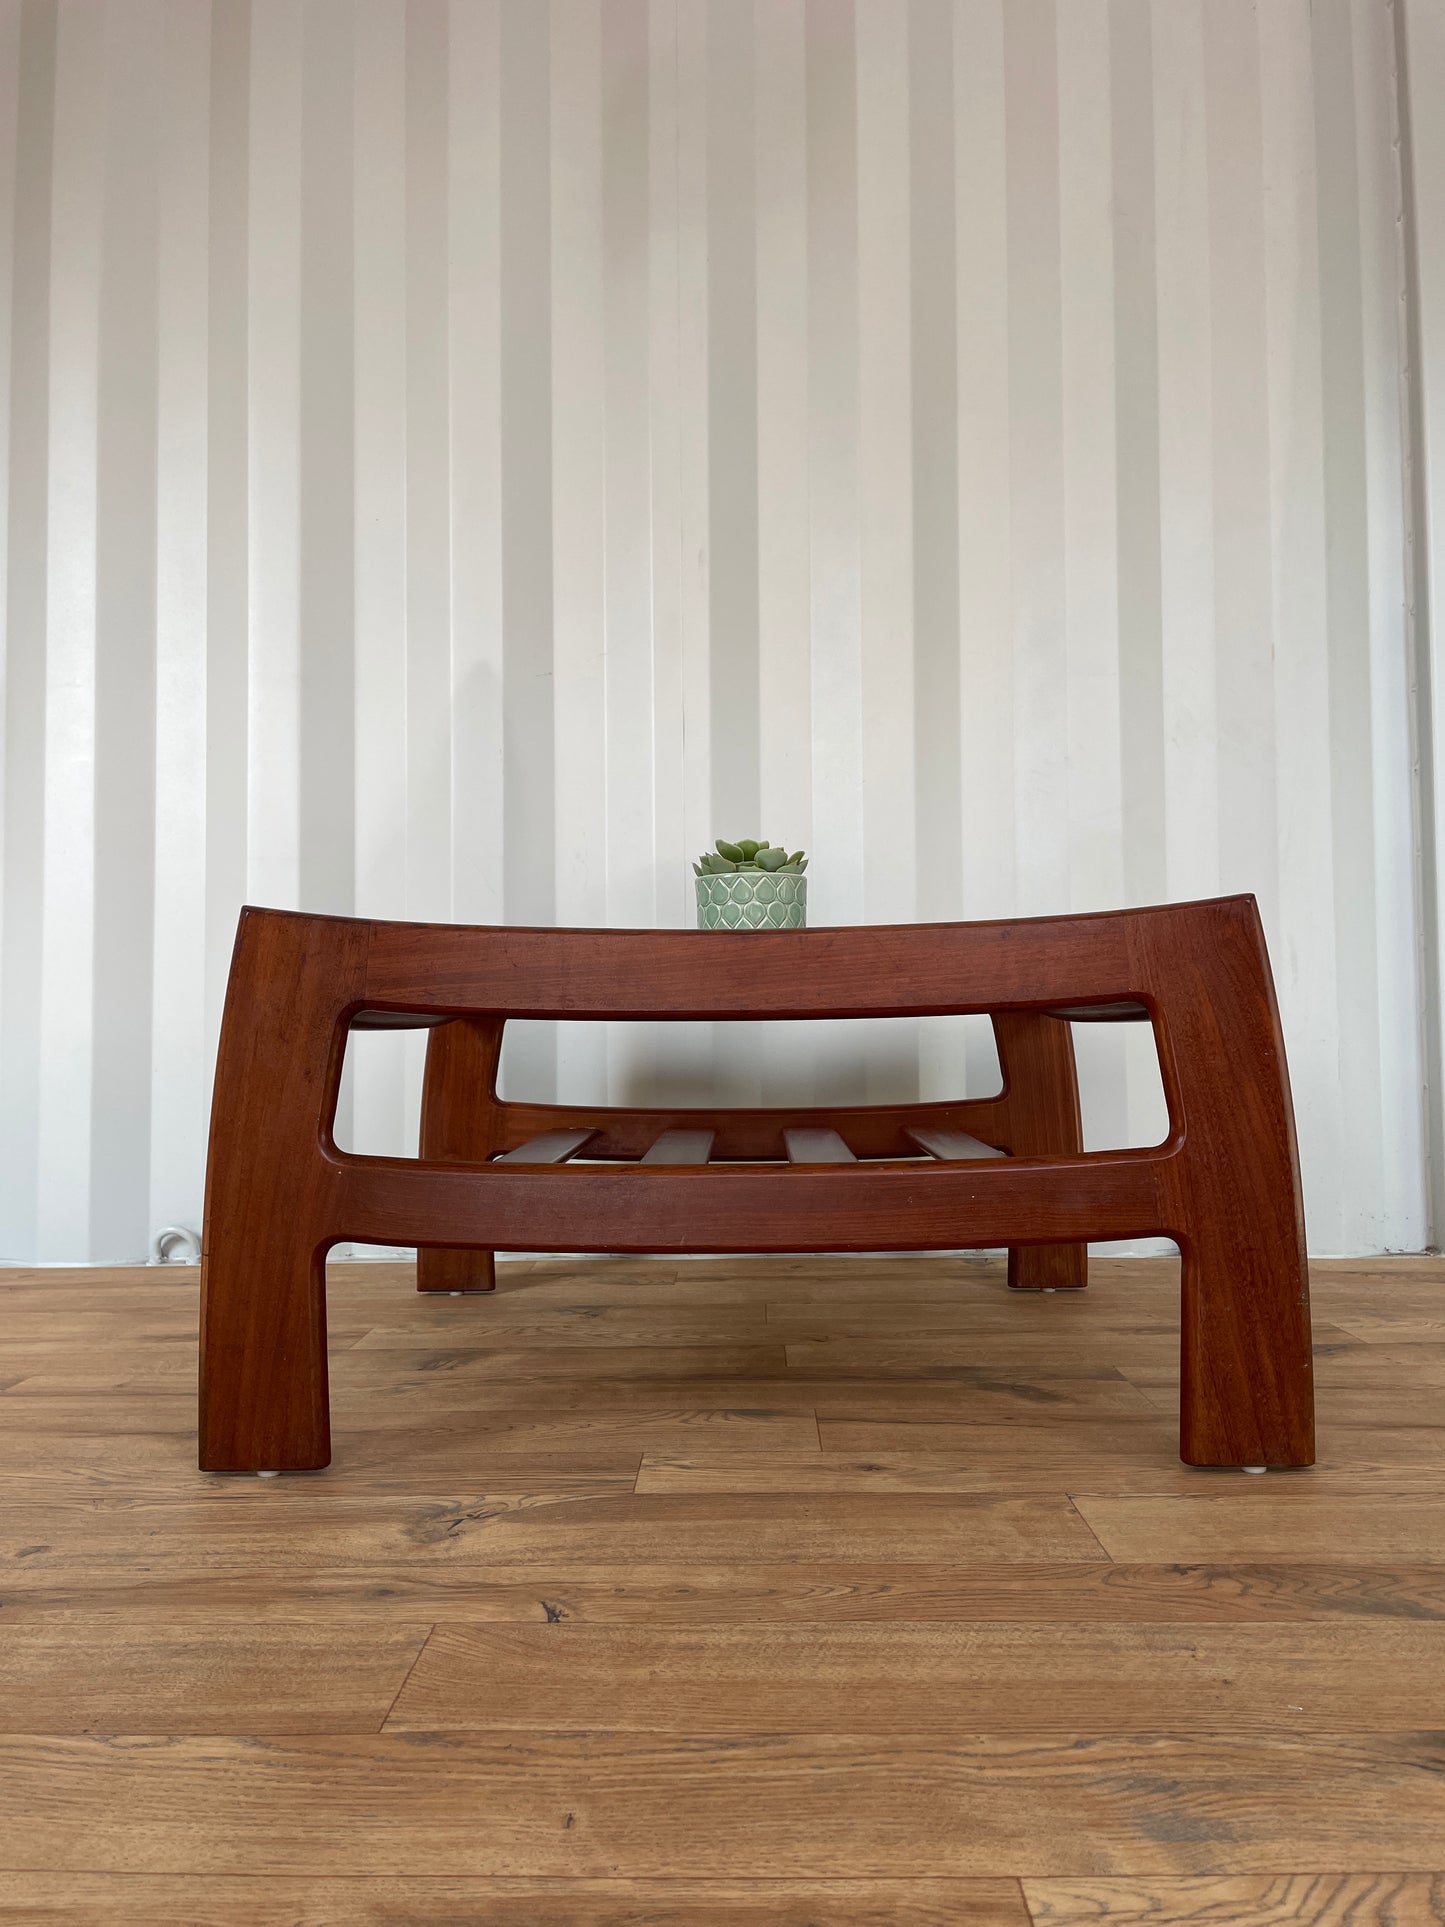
(752, 900)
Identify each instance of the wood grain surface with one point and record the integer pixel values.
(786, 1592)
(426, 1900)
(933, 1679)
(1304, 1900)
(834, 1806)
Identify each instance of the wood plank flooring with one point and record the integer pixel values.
(760, 1592)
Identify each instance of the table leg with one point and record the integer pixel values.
(459, 1114)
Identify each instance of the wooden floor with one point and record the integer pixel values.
(759, 1592)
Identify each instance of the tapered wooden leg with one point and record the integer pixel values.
(458, 1124)
(1246, 1372)
(1041, 1098)
(269, 1189)
(264, 1397)
(1232, 1196)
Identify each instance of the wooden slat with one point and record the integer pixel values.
(396, 1020)
(304, 1524)
(552, 1147)
(802, 1592)
(680, 1147)
(933, 1679)
(1246, 1900)
(150, 1676)
(817, 1147)
(45, 1467)
(1124, 1013)
(1119, 1454)
(451, 1371)
(513, 1320)
(953, 1145)
(1282, 1519)
(421, 1900)
(833, 1806)
(1122, 1455)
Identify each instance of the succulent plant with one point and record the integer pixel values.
(749, 854)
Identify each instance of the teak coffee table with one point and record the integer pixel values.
(1006, 1170)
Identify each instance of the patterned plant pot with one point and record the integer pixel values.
(752, 900)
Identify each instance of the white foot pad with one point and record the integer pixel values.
(268, 1475)
(1256, 1470)
(454, 1294)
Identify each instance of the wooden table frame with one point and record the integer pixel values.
(1005, 1170)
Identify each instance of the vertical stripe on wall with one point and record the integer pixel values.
(31, 32)
(835, 882)
(473, 82)
(1346, 570)
(1239, 464)
(179, 1067)
(938, 833)
(1136, 414)
(68, 824)
(785, 699)
(731, 212)
(672, 878)
(125, 638)
(428, 408)
(1305, 966)
(273, 352)
(1393, 665)
(785, 704)
(1140, 131)
(628, 642)
(885, 511)
(1188, 634)
(327, 562)
(1035, 475)
(529, 851)
(986, 722)
(1418, 67)
(933, 406)
(1088, 285)
(228, 468)
(378, 1083)
(580, 519)
(461, 456)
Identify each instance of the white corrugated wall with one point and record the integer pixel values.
(460, 458)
